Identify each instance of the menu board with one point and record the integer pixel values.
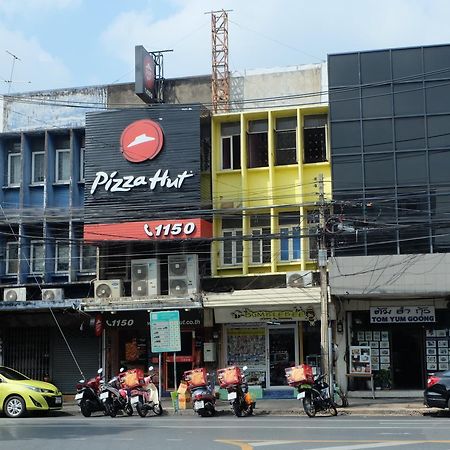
(380, 347)
(360, 360)
(437, 349)
(165, 331)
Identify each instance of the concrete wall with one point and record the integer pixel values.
(63, 108)
(390, 275)
(295, 81)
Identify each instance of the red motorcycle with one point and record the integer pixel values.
(88, 395)
(145, 398)
(203, 396)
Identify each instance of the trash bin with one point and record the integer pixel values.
(174, 397)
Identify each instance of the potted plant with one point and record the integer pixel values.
(382, 379)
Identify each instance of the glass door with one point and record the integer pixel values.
(282, 352)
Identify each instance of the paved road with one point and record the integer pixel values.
(225, 432)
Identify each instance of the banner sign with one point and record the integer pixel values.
(402, 314)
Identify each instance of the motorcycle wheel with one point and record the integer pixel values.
(308, 406)
(237, 409)
(85, 409)
(332, 409)
(157, 409)
(249, 410)
(141, 409)
(207, 411)
(110, 409)
(128, 409)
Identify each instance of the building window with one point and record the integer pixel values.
(12, 258)
(63, 165)
(314, 139)
(62, 257)
(232, 247)
(257, 147)
(88, 258)
(82, 168)
(261, 247)
(37, 257)
(14, 176)
(290, 241)
(37, 167)
(231, 145)
(285, 141)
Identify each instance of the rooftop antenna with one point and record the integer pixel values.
(10, 81)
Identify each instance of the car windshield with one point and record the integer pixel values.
(12, 374)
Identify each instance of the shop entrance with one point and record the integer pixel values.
(283, 348)
(407, 357)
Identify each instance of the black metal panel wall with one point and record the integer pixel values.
(180, 153)
(390, 144)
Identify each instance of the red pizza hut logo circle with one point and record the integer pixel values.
(141, 140)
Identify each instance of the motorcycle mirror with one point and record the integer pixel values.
(150, 368)
(121, 370)
(99, 371)
(81, 381)
(244, 368)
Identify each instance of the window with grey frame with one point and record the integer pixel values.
(62, 253)
(62, 165)
(232, 241)
(12, 258)
(315, 139)
(231, 145)
(257, 144)
(88, 258)
(37, 167)
(286, 141)
(37, 257)
(14, 173)
(261, 240)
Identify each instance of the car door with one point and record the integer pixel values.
(3, 390)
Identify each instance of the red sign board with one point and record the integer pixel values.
(153, 230)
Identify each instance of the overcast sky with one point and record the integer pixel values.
(71, 43)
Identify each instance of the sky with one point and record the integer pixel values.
(74, 43)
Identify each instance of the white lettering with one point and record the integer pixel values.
(128, 182)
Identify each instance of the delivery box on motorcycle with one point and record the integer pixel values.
(229, 376)
(196, 377)
(132, 378)
(299, 374)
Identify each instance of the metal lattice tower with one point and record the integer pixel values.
(220, 73)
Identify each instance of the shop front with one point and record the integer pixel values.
(268, 331)
(407, 341)
(128, 344)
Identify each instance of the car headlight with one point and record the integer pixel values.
(36, 389)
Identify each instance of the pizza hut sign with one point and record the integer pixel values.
(140, 141)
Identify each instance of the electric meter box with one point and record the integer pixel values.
(209, 351)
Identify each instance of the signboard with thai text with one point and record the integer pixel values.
(402, 314)
(165, 331)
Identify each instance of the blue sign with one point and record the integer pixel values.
(165, 331)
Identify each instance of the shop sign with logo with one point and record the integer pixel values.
(138, 161)
(402, 314)
(310, 313)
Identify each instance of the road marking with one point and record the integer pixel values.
(263, 443)
(364, 446)
(240, 444)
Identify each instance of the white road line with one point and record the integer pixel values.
(263, 443)
(364, 446)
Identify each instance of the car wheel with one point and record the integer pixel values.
(14, 407)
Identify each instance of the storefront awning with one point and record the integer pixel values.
(263, 297)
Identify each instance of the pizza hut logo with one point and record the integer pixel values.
(141, 140)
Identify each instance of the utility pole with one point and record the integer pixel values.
(322, 262)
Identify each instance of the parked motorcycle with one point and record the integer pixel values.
(115, 398)
(87, 396)
(145, 398)
(202, 392)
(314, 392)
(231, 379)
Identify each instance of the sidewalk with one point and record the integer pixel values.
(358, 407)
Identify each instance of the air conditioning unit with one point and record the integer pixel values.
(145, 277)
(52, 294)
(183, 275)
(300, 279)
(108, 288)
(15, 294)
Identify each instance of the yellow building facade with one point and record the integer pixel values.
(265, 165)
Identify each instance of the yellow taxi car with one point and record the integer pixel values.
(20, 394)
